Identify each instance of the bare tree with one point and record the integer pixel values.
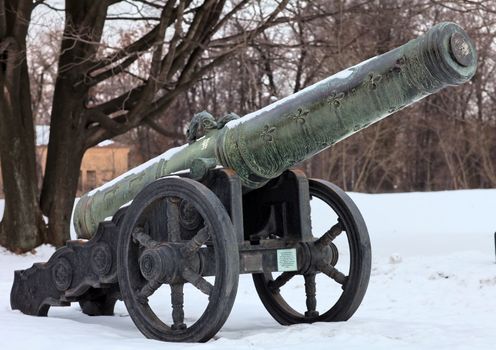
(179, 45)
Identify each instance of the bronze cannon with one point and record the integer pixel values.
(229, 202)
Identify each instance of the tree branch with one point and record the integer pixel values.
(161, 130)
(141, 45)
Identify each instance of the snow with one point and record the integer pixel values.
(43, 136)
(433, 286)
(340, 75)
(105, 143)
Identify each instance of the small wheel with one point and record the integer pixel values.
(346, 245)
(154, 252)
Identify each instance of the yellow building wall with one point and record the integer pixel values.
(105, 163)
(99, 165)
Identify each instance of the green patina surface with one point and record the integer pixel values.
(263, 144)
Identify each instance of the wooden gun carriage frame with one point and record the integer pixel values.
(178, 231)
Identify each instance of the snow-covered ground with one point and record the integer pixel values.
(433, 286)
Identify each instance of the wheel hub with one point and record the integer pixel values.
(318, 254)
(161, 264)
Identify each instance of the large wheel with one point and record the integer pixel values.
(156, 250)
(341, 262)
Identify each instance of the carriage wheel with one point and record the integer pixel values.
(346, 270)
(154, 251)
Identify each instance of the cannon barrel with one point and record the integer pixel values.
(263, 144)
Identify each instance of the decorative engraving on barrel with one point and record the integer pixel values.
(108, 197)
(267, 133)
(136, 182)
(398, 66)
(299, 116)
(335, 99)
(373, 80)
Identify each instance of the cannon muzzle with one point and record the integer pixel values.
(263, 144)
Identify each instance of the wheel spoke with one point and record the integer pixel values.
(310, 291)
(173, 231)
(198, 281)
(280, 281)
(143, 239)
(331, 234)
(177, 301)
(196, 242)
(147, 290)
(334, 273)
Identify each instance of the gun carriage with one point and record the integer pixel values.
(230, 203)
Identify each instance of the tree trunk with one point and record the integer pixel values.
(64, 155)
(65, 152)
(22, 227)
(66, 146)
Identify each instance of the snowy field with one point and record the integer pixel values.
(433, 286)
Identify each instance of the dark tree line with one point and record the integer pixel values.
(447, 141)
(175, 58)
